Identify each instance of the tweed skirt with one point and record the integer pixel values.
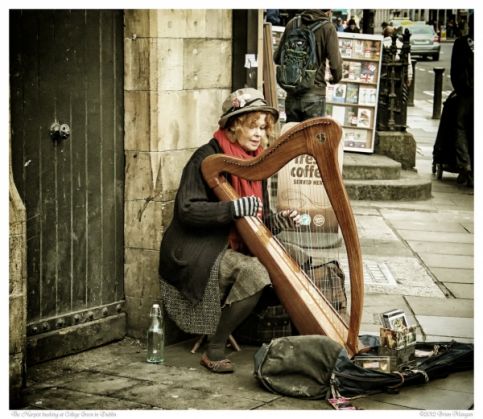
(233, 277)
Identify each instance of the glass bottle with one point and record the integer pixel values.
(156, 337)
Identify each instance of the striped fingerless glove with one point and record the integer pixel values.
(246, 206)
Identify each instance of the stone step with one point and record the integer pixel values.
(409, 187)
(369, 167)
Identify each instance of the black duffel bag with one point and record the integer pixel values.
(316, 367)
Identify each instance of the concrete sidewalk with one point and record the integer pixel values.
(418, 256)
(427, 246)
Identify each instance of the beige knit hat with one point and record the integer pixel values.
(242, 101)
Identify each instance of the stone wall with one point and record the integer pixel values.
(17, 293)
(177, 74)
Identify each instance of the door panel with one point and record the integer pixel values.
(67, 67)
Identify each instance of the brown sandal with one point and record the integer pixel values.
(220, 367)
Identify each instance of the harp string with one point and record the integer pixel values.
(317, 293)
(333, 243)
(315, 242)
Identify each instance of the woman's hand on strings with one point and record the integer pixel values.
(288, 219)
(248, 206)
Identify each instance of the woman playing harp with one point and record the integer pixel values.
(316, 142)
(209, 279)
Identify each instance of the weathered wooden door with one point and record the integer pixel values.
(66, 67)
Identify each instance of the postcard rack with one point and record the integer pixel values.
(353, 101)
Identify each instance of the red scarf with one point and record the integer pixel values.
(242, 186)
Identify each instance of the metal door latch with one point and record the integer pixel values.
(59, 132)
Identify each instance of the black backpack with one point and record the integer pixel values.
(298, 59)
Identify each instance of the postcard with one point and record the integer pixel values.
(339, 93)
(364, 118)
(352, 93)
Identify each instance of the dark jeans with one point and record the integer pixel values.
(301, 107)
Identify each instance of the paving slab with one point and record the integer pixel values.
(457, 327)
(469, 226)
(395, 215)
(240, 384)
(448, 202)
(435, 203)
(63, 399)
(374, 305)
(377, 238)
(374, 227)
(115, 355)
(461, 290)
(449, 185)
(290, 403)
(405, 276)
(436, 236)
(164, 374)
(182, 369)
(430, 216)
(95, 382)
(182, 398)
(428, 397)
(444, 307)
(433, 260)
(463, 249)
(418, 123)
(371, 247)
(436, 338)
(446, 197)
(458, 201)
(426, 225)
(462, 276)
(459, 382)
(371, 404)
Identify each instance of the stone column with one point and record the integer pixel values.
(177, 74)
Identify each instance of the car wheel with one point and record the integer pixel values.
(436, 57)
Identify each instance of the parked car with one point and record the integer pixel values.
(424, 41)
(398, 22)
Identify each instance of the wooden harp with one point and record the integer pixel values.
(309, 310)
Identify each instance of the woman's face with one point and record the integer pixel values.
(252, 135)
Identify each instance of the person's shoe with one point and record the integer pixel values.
(220, 367)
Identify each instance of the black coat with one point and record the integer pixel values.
(462, 66)
(199, 229)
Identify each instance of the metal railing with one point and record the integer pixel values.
(394, 86)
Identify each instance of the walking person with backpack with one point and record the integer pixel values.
(308, 42)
